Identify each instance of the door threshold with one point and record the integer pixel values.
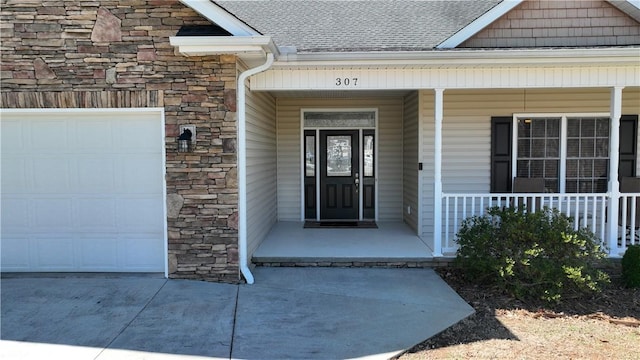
(329, 224)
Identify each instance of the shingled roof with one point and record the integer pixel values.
(362, 25)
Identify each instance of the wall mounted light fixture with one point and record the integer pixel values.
(187, 138)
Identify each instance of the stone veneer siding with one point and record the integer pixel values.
(116, 54)
(538, 23)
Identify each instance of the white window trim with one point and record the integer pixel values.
(562, 170)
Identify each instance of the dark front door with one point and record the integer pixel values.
(339, 178)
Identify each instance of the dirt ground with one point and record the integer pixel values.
(599, 326)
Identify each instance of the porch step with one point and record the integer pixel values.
(352, 262)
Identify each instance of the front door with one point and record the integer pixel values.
(339, 178)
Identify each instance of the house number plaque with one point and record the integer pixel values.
(346, 81)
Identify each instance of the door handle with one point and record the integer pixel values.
(357, 180)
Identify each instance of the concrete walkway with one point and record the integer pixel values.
(294, 313)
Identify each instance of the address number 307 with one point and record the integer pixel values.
(347, 81)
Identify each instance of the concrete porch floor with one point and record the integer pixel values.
(390, 242)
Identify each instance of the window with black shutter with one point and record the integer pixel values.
(581, 165)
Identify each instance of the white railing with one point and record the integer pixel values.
(629, 225)
(590, 210)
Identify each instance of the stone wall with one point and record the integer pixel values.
(100, 54)
(537, 23)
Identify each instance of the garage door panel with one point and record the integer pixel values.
(82, 190)
(15, 252)
(140, 213)
(51, 175)
(134, 136)
(95, 174)
(52, 214)
(54, 252)
(12, 136)
(140, 174)
(51, 136)
(18, 180)
(97, 252)
(136, 255)
(94, 136)
(15, 214)
(97, 214)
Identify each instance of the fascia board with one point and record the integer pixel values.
(474, 58)
(221, 17)
(209, 45)
(478, 24)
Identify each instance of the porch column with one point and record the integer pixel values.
(437, 174)
(614, 155)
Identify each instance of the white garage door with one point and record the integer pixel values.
(82, 190)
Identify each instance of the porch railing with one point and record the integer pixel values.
(587, 210)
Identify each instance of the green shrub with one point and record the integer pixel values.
(631, 266)
(530, 255)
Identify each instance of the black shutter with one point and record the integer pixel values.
(501, 135)
(628, 145)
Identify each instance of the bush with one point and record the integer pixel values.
(631, 266)
(530, 255)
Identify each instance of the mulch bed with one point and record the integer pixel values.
(615, 304)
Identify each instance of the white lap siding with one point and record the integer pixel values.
(261, 167)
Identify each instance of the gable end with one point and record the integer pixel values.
(537, 23)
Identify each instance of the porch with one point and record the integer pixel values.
(391, 244)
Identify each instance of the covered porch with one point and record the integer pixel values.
(391, 243)
(434, 151)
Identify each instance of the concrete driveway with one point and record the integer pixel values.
(289, 313)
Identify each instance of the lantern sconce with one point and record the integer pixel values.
(187, 134)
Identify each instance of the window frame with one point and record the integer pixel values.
(562, 166)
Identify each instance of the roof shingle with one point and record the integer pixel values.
(360, 25)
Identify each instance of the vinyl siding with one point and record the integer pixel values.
(410, 161)
(261, 167)
(389, 152)
(467, 128)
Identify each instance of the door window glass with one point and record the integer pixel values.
(368, 155)
(338, 155)
(310, 156)
(332, 119)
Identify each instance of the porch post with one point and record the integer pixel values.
(437, 174)
(614, 184)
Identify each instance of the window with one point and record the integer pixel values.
(570, 152)
(587, 155)
(539, 150)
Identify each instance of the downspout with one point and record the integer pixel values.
(242, 167)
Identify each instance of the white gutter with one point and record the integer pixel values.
(242, 167)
